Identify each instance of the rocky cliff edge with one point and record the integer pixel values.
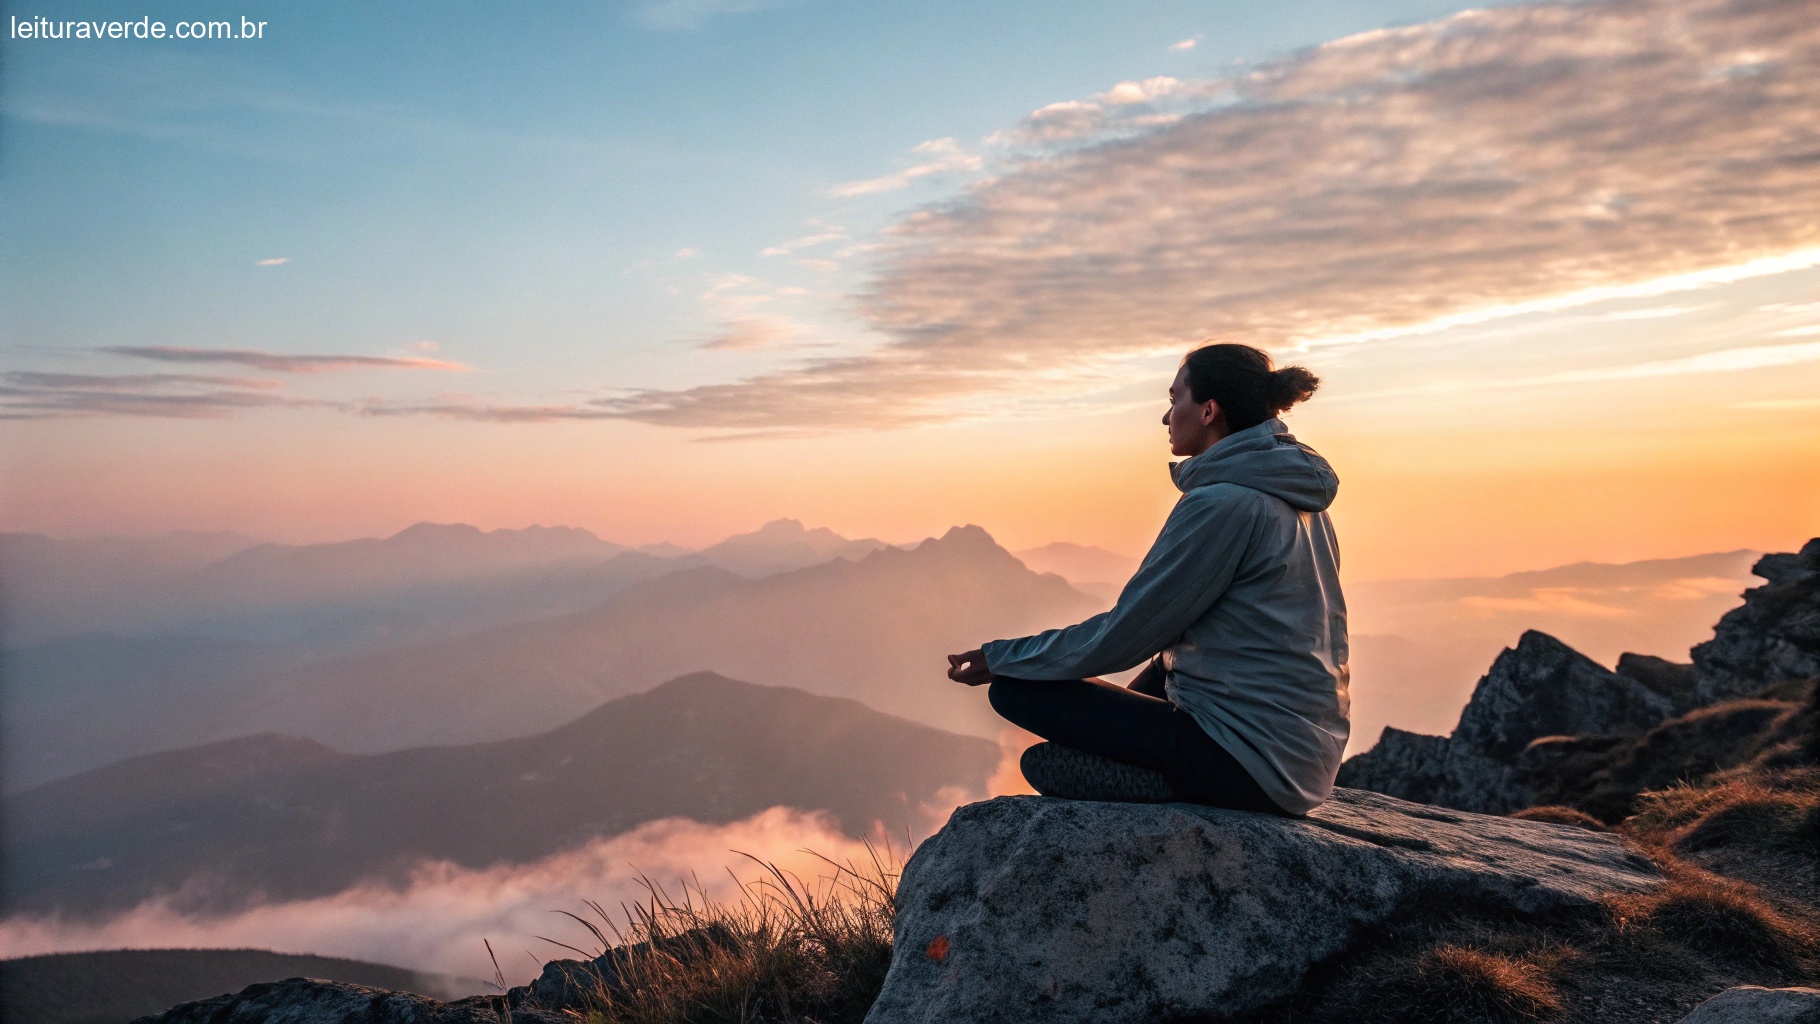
(1029, 908)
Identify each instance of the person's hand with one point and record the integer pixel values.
(969, 668)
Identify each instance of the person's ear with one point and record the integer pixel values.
(1210, 411)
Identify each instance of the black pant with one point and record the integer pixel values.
(1136, 725)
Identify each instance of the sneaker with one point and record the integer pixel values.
(1073, 774)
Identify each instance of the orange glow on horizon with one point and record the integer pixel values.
(1443, 485)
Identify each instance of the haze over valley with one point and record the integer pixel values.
(220, 827)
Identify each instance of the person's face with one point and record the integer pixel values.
(1193, 426)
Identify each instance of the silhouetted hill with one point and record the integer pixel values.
(74, 704)
(286, 818)
(117, 986)
(876, 629)
(80, 702)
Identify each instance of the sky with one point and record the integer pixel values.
(670, 269)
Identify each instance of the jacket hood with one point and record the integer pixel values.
(1264, 458)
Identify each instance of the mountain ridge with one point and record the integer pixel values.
(875, 629)
(279, 817)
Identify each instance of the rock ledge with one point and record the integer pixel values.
(1025, 908)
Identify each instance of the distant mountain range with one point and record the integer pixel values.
(452, 634)
(430, 578)
(277, 817)
(120, 985)
(876, 630)
(199, 633)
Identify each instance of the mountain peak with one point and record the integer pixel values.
(968, 536)
(428, 530)
(786, 531)
(778, 527)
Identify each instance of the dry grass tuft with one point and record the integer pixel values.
(1455, 983)
(1778, 821)
(1777, 729)
(1559, 814)
(784, 952)
(1767, 812)
(1719, 918)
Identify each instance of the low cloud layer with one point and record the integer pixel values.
(438, 921)
(33, 395)
(1495, 158)
(273, 362)
(28, 394)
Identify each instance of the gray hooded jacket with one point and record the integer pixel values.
(1241, 595)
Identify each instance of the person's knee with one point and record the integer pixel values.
(1009, 697)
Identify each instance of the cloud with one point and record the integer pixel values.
(1801, 259)
(1128, 108)
(735, 302)
(437, 921)
(752, 334)
(273, 362)
(41, 395)
(1653, 313)
(681, 15)
(1748, 357)
(1065, 119)
(129, 381)
(1724, 360)
(1149, 90)
(34, 395)
(1008, 778)
(276, 261)
(943, 156)
(829, 234)
(686, 253)
(489, 412)
(1186, 44)
(1509, 159)
(423, 346)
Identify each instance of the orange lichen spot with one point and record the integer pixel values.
(938, 948)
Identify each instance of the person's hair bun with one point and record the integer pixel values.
(1240, 378)
(1290, 385)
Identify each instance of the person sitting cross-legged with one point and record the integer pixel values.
(1237, 606)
